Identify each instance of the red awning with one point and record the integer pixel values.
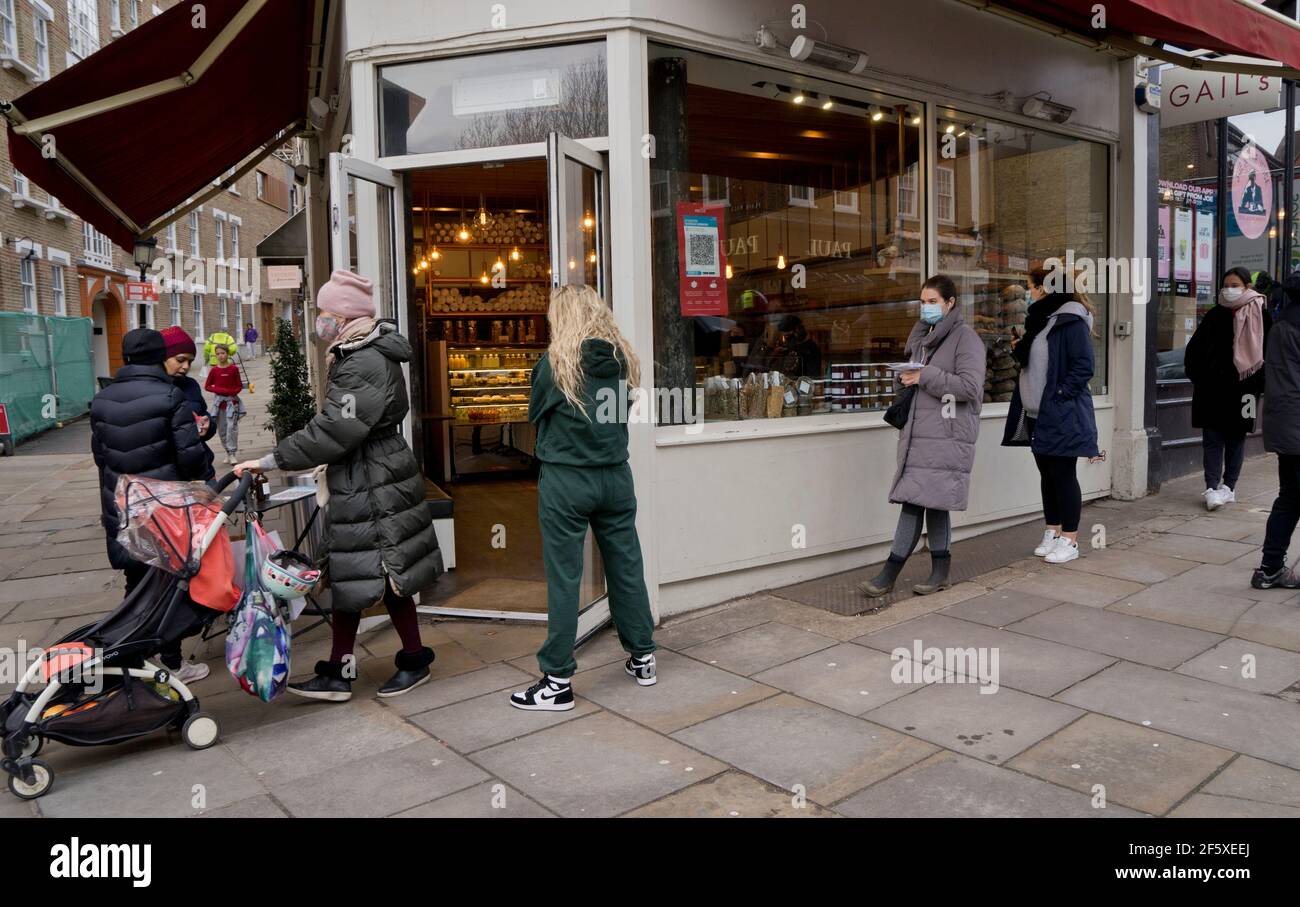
(1226, 26)
(167, 109)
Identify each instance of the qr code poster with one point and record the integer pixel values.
(701, 265)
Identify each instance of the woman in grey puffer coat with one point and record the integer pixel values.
(382, 545)
(936, 448)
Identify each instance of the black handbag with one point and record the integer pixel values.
(901, 408)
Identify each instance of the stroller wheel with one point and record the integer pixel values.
(35, 743)
(200, 731)
(43, 781)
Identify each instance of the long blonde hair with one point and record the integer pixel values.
(577, 313)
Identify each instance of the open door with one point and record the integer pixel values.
(579, 194)
(365, 230)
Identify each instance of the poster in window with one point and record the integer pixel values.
(1252, 192)
(1204, 247)
(1182, 244)
(701, 260)
(1162, 244)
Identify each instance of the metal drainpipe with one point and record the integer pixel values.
(1288, 179)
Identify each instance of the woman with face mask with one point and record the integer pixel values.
(381, 541)
(1225, 362)
(936, 447)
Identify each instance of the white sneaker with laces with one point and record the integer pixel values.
(1213, 500)
(1226, 495)
(1064, 551)
(1048, 543)
(190, 671)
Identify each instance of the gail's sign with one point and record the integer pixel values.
(1192, 95)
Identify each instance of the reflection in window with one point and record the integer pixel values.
(822, 240)
(508, 98)
(1009, 199)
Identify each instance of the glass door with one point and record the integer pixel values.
(578, 190)
(365, 223)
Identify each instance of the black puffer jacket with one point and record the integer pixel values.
(1218, 395)
(1282, 364)
(379, 522)
(141, 424)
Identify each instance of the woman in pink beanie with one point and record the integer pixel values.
(382, 546)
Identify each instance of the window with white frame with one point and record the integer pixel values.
(907, 193)
(171, 236)
(717, 190)
(239, 318)
(8, 29)
(21, 187)
(41, 33)
(134, 6)
(27, 277)
(96, 246)
(803, 197)
(223, 313)
(945, 194)
(176, 308)
(293, 198)
(199, 333)
(221, 239)
(845, 202)
(115, 14)
(234, 243)
(261, 184)
(57, 287)
(83, 28)
(194, 233)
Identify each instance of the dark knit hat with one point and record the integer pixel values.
(177, 341)
(144, 346)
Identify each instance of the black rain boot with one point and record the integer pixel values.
(329, 684)
(940, 562)
(412, 670)
(883, 582)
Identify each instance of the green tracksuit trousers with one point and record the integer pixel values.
(569, 498)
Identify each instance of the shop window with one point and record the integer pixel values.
(508, 98)
(821, 256)
(1012, 199)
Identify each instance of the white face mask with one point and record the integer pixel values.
(1231, 294)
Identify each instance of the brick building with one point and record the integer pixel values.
(53, 263)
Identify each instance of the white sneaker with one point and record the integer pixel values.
(1226, 495)
(1064, 551)
(1048, 543)
(1213, 499)
(190, 672)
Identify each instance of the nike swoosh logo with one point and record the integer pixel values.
(543, 695)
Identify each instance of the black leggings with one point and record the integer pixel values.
(1062, 497)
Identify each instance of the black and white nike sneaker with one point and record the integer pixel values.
(550, 694)
(642, 667)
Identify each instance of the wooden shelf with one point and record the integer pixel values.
(475, 282)
(488, 247)
(481, 314)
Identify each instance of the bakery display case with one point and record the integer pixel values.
(490, 386)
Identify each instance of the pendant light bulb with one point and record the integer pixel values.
(514, 254)
(780, 261)
(435, 255)
(588, 221)
(463, 233)
(728, 272)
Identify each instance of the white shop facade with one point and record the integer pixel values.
(483, 161)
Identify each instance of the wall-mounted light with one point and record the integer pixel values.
(799, 98)
(877, 116)
(827, 104)
(951, 129)
(824, 53)
(916, 120)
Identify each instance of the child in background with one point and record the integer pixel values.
(585, 481)
(225, 384)
(180, 351)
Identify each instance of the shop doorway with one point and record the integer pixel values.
(467, 254)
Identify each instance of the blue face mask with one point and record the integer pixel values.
(931, 312)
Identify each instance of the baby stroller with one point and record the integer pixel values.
(100, 685)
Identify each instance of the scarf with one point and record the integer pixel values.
(1035, 321)
(1247, 332)
(354, 330)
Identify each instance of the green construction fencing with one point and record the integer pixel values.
(47, 370)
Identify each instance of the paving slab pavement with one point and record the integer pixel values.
(1127, 664)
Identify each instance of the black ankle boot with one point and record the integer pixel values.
(883, 582)
(412, 670)
(329, 684)
(940, 562)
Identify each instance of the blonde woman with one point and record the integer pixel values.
(585, 481)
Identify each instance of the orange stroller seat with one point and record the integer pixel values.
(69, 655)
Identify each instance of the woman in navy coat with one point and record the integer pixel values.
(1051, 409)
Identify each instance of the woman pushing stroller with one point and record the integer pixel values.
(382, 544)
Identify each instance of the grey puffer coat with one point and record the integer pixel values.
(936, 448)
(379, 523)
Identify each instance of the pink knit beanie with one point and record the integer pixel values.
(347, 295)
